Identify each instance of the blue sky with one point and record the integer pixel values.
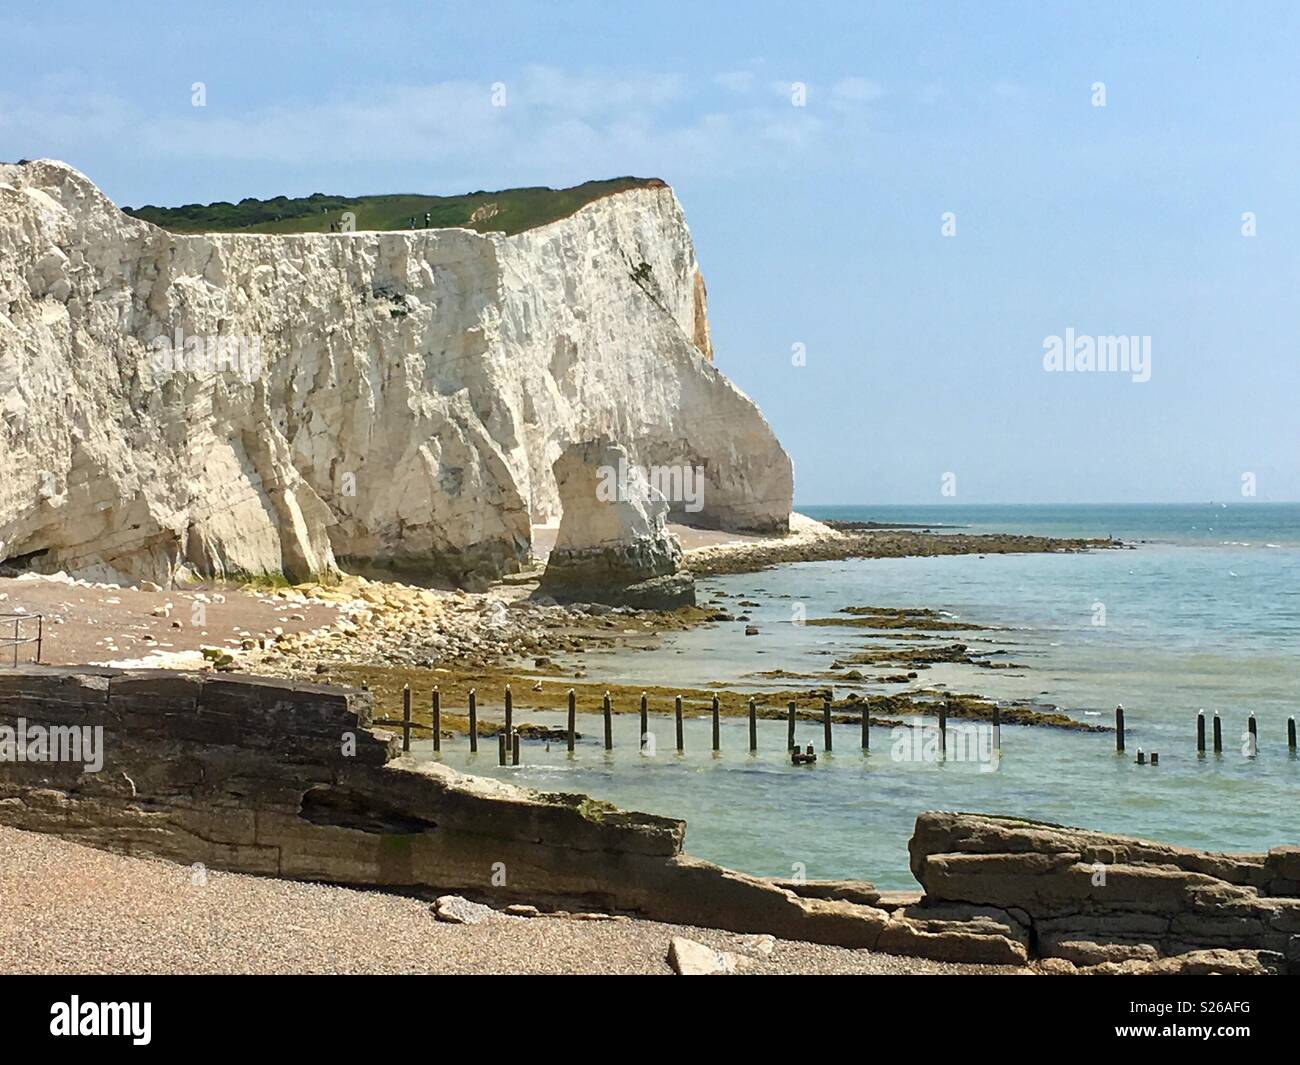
(817, 225)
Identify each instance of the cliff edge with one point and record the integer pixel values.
(227, 404)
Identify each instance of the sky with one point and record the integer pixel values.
(895, 205)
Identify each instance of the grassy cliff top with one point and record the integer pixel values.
(507, 211)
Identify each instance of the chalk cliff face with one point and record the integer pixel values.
(226, 404)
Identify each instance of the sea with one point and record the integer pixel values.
(1199, 611)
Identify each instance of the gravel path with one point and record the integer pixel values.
(65, 908)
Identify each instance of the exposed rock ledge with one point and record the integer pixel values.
(265, 776)
(406, 397)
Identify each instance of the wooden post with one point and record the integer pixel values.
(997, 726)
(826, 724)
(943, 729)
(514, 748)
(1290, 733)
(1155, 757)
(753, 726)
(1119, 728)
(645, 719)
(677, 709)
(866, 725)
(1200, 731)
(573, 715)
(437, 719)
(501, 747)
(510, 710)
(1142, 758)
(1218, 733)
(473, 721)
(609, 724)
(406, 717)
(790, 728)
(1252, 727)
(717, 733)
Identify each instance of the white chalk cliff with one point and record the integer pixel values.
(410, 393)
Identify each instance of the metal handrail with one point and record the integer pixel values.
(18, 639)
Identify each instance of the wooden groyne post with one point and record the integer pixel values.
(1119, 728)
(997, 726)
(677, 713)
(943, 729)
(1252, 728)
(609, 723)
(510, 710)
(514, 748)
(406, 717)
(1200, 731)
(1218, 733)
(645, 720)
(717, 733)
(826, 723)
(790, 728)
(753, 726)
(1290, 733)
(473, 721)
(501, 747)
(436, 710)
(573, 717)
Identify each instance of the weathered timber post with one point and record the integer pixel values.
(1155, 757)
(677, 710)
(437, 719)
(789, 746)
(1142, 758)
(1200, 731)
(943, 729)
(753, 726)
(406, 717)
(1218, 733)
(510, 710)
(826, 724)
(1119, 728)
(573, 716)
(997, 726)
(609, 724)
(473, 721)
(514, 748)
(717, 733)
(501, 747)
(1290, 733)
(1252, 727)
(645, 719)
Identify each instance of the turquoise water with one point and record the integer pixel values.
(1203, 613)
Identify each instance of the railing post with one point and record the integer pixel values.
(437, 719)
(573, 715)
(406, 717)
(473, 721)
(609, 724)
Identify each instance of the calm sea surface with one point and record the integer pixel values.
(1203, 612)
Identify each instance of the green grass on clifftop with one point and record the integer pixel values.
(507, 211)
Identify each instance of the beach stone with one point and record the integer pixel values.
(758, 945)
(689, 958)
(457, 910)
